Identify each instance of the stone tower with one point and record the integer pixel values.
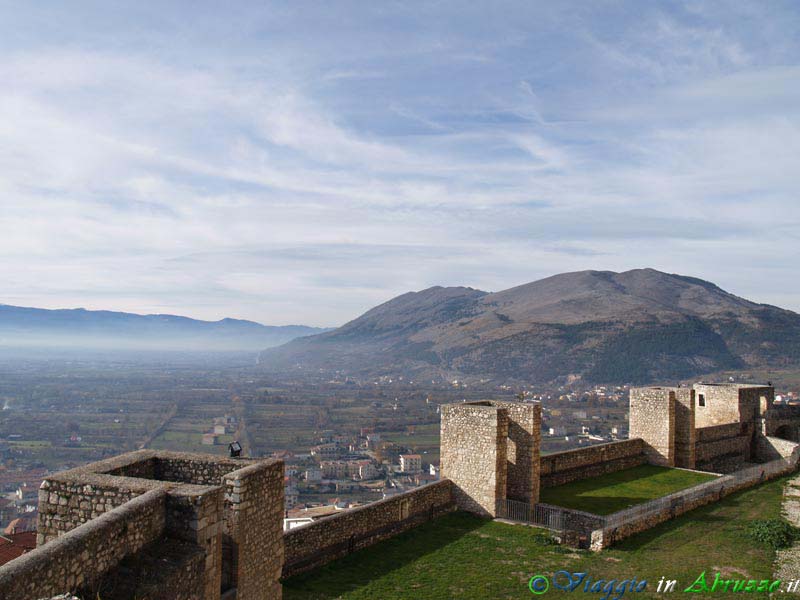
(664, 417)
(490, 451)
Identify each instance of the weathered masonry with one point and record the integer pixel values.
(490, 451)
(177, 526)
(710, 427)
(160, 525)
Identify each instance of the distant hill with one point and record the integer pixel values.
(99, 329)
(637, 326)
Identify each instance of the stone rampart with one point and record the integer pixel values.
(318, 543)
(229, 509)
(254, 529)
(67, 500)
(522, 450)
(625, 523)
(81, 557)
(718, 432)
(572, 465)
(723, 448)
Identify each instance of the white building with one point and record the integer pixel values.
(313, 475)
(410, 463)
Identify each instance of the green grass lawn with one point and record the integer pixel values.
(462, 556)
(609, 493)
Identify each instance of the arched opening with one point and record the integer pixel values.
(786, 432)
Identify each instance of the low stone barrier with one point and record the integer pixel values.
(311, 546)
(82, 556)
(623, 524)
(572, 465)
(66, 501)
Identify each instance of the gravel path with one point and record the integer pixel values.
(787, 562)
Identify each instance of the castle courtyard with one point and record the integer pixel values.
(462, 556)
(616, 491)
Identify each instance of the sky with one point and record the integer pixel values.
(301, 162)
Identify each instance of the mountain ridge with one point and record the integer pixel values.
(22, 326)
(635, 326)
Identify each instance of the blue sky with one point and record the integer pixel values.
(301, 162)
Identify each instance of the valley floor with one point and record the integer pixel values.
(461, 556)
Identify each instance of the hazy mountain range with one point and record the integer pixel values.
(637, 326)
(100, 329)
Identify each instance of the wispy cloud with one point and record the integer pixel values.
(296, 165)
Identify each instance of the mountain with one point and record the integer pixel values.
(637, 326)
(99, 329)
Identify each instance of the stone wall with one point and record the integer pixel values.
(81, 557)
(318, 543)
(198, 469)
(640, 518)
(731, 403)
(782, 421)
(68, 500)
(652, 418)
(572, 465)
(210, 502)
(718, 432)
(194, 515)
(522, 450)
(716, 404)
(723, 448)
(771, 448)
(164, 570)
(685, 436)
(473, 454)
(254, 528)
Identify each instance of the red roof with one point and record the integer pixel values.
(15, 545)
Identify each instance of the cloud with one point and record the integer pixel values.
(223, 167)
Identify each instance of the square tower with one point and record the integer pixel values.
(722, 403)
(490, 451)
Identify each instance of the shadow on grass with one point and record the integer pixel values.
(358, 569)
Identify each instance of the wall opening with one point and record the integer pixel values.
(701, 400)
(786, 432)
(404, 510)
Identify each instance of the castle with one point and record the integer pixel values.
(178, 526)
